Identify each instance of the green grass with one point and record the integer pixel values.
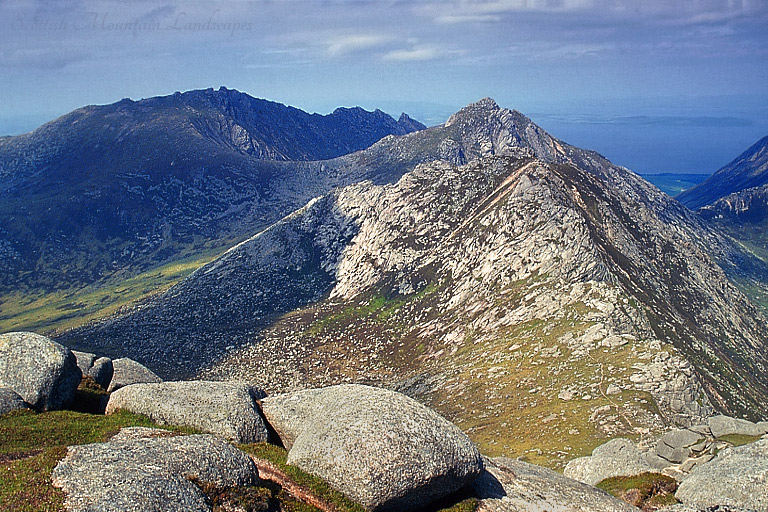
(53, 312)
(32, 444)
(647, 491)
(739, 439)
(277, 456)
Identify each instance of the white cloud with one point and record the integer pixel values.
(420, 52)
(350, 44)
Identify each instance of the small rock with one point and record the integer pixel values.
(725, 425)
(613, 389)
(656, 462)
(127, 371)
(84, 360)
(681, 438)
(11, 401)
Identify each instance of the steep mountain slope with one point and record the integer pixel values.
(735, 200)
(136, 184)
(534, 293)
(744, 215)
(748, 170)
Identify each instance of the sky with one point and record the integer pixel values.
(656, 86)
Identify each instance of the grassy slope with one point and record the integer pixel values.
(520, 371)
(54, 312)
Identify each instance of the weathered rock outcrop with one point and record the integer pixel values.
(42, 372)
(618, 457)
(11, 401)
(725, 425)
(226, 409)
(737, 477)
(679, 452)
(510, 485)
(150, 473)
(380, 448)
(127, 371)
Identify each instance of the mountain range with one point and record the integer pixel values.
(534, 293)
(123, 188)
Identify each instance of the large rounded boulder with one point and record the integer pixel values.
(42, 372)
(227, 409)
(150, 471)
(381, 448)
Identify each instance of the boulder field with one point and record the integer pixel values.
(382, 449)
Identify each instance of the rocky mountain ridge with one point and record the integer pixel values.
(561, 296)
(748, 170)
(137, 184)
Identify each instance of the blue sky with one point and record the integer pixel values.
(657, 86)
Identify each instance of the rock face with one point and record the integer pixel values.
(100, 369)
(221, 408)
(382, 449)
(510, 485)
(618, 457)
(150, 473)
(127, 371)
(737, 477)
(42, 372)
(11, 401)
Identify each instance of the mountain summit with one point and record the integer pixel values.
(531, 291)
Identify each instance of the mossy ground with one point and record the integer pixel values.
(739, 439)
(648, 492)
(521, 374)
(32, 444)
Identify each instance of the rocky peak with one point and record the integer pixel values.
(410, 124)
(478, 109)
(484, 129)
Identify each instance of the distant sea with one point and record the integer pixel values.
(673, 183)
